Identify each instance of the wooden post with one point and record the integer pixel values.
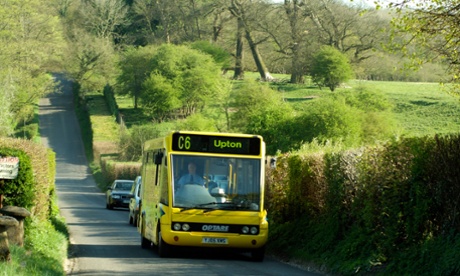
(5, 223)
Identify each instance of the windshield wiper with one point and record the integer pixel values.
(215, 206)
(198, 206)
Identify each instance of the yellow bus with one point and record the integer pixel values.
(204, 189)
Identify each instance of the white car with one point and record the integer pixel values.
(134, 201)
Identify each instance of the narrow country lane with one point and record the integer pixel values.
(102, 241)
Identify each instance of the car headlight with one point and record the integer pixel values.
(115, 196)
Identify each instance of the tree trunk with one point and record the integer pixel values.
(293, 12)
(297, 74)
(263, 71)
(239, 64)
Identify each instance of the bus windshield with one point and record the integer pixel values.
(212, 183)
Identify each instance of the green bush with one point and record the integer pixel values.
(384, 209)
(21, 190)
(197, 122)
(112, 169)
(130, 144)
(330, 68)
(260, 110)
(112, 105)
(220, 56)
(331, 119)
(28, 131)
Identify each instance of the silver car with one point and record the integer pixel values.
(134, 201)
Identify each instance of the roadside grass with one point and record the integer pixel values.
(101, 120)
(44, 251)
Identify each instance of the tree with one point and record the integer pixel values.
(191, 76)
(330, 68)
(220, 56)
(90, 60)
(245, 11)
(135, 66)
(331, 119)
(166, 21)
(261, 110)
(432, 25)
(102, 17)
(30, 45)
(159, 97)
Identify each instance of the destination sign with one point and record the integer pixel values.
(216, 144)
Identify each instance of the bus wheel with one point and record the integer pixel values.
(257, 255)
(145, 243)
(164, 249)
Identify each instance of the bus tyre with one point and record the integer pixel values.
(164, 249)
(257, 255)
(145, 243)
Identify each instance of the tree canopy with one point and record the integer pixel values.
(171, 81)
(428, 31)
(330, 68)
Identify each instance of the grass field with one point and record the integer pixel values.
(420, 108)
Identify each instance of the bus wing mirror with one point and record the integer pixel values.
(158, 158)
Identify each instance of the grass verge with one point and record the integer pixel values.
(44, 251)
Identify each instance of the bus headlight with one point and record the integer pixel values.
(245, 230)
(177, 226)
(254, 230)
(185, 227)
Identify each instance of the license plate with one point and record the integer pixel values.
(214, 240)
(126, 201)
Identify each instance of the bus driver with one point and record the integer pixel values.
(191, 177)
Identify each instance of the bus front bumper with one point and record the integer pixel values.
(201, 239)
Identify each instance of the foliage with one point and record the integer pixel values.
(103, 18)
(173, 81)
(430, 30)
(109, 98)
(376, 209)
(27, 131)
(112, 170)
(135, 66)
(44, 251)
(220, 56)
(331, 119)
(28, 48)
(196, 122)
(351, 117)
(160, 97)
(131, 143)
(90, 61)
(35, 181)
(260, 110)
(21, 190)
(330, 68)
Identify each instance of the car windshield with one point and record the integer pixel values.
(123, 185)
(216, 183)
